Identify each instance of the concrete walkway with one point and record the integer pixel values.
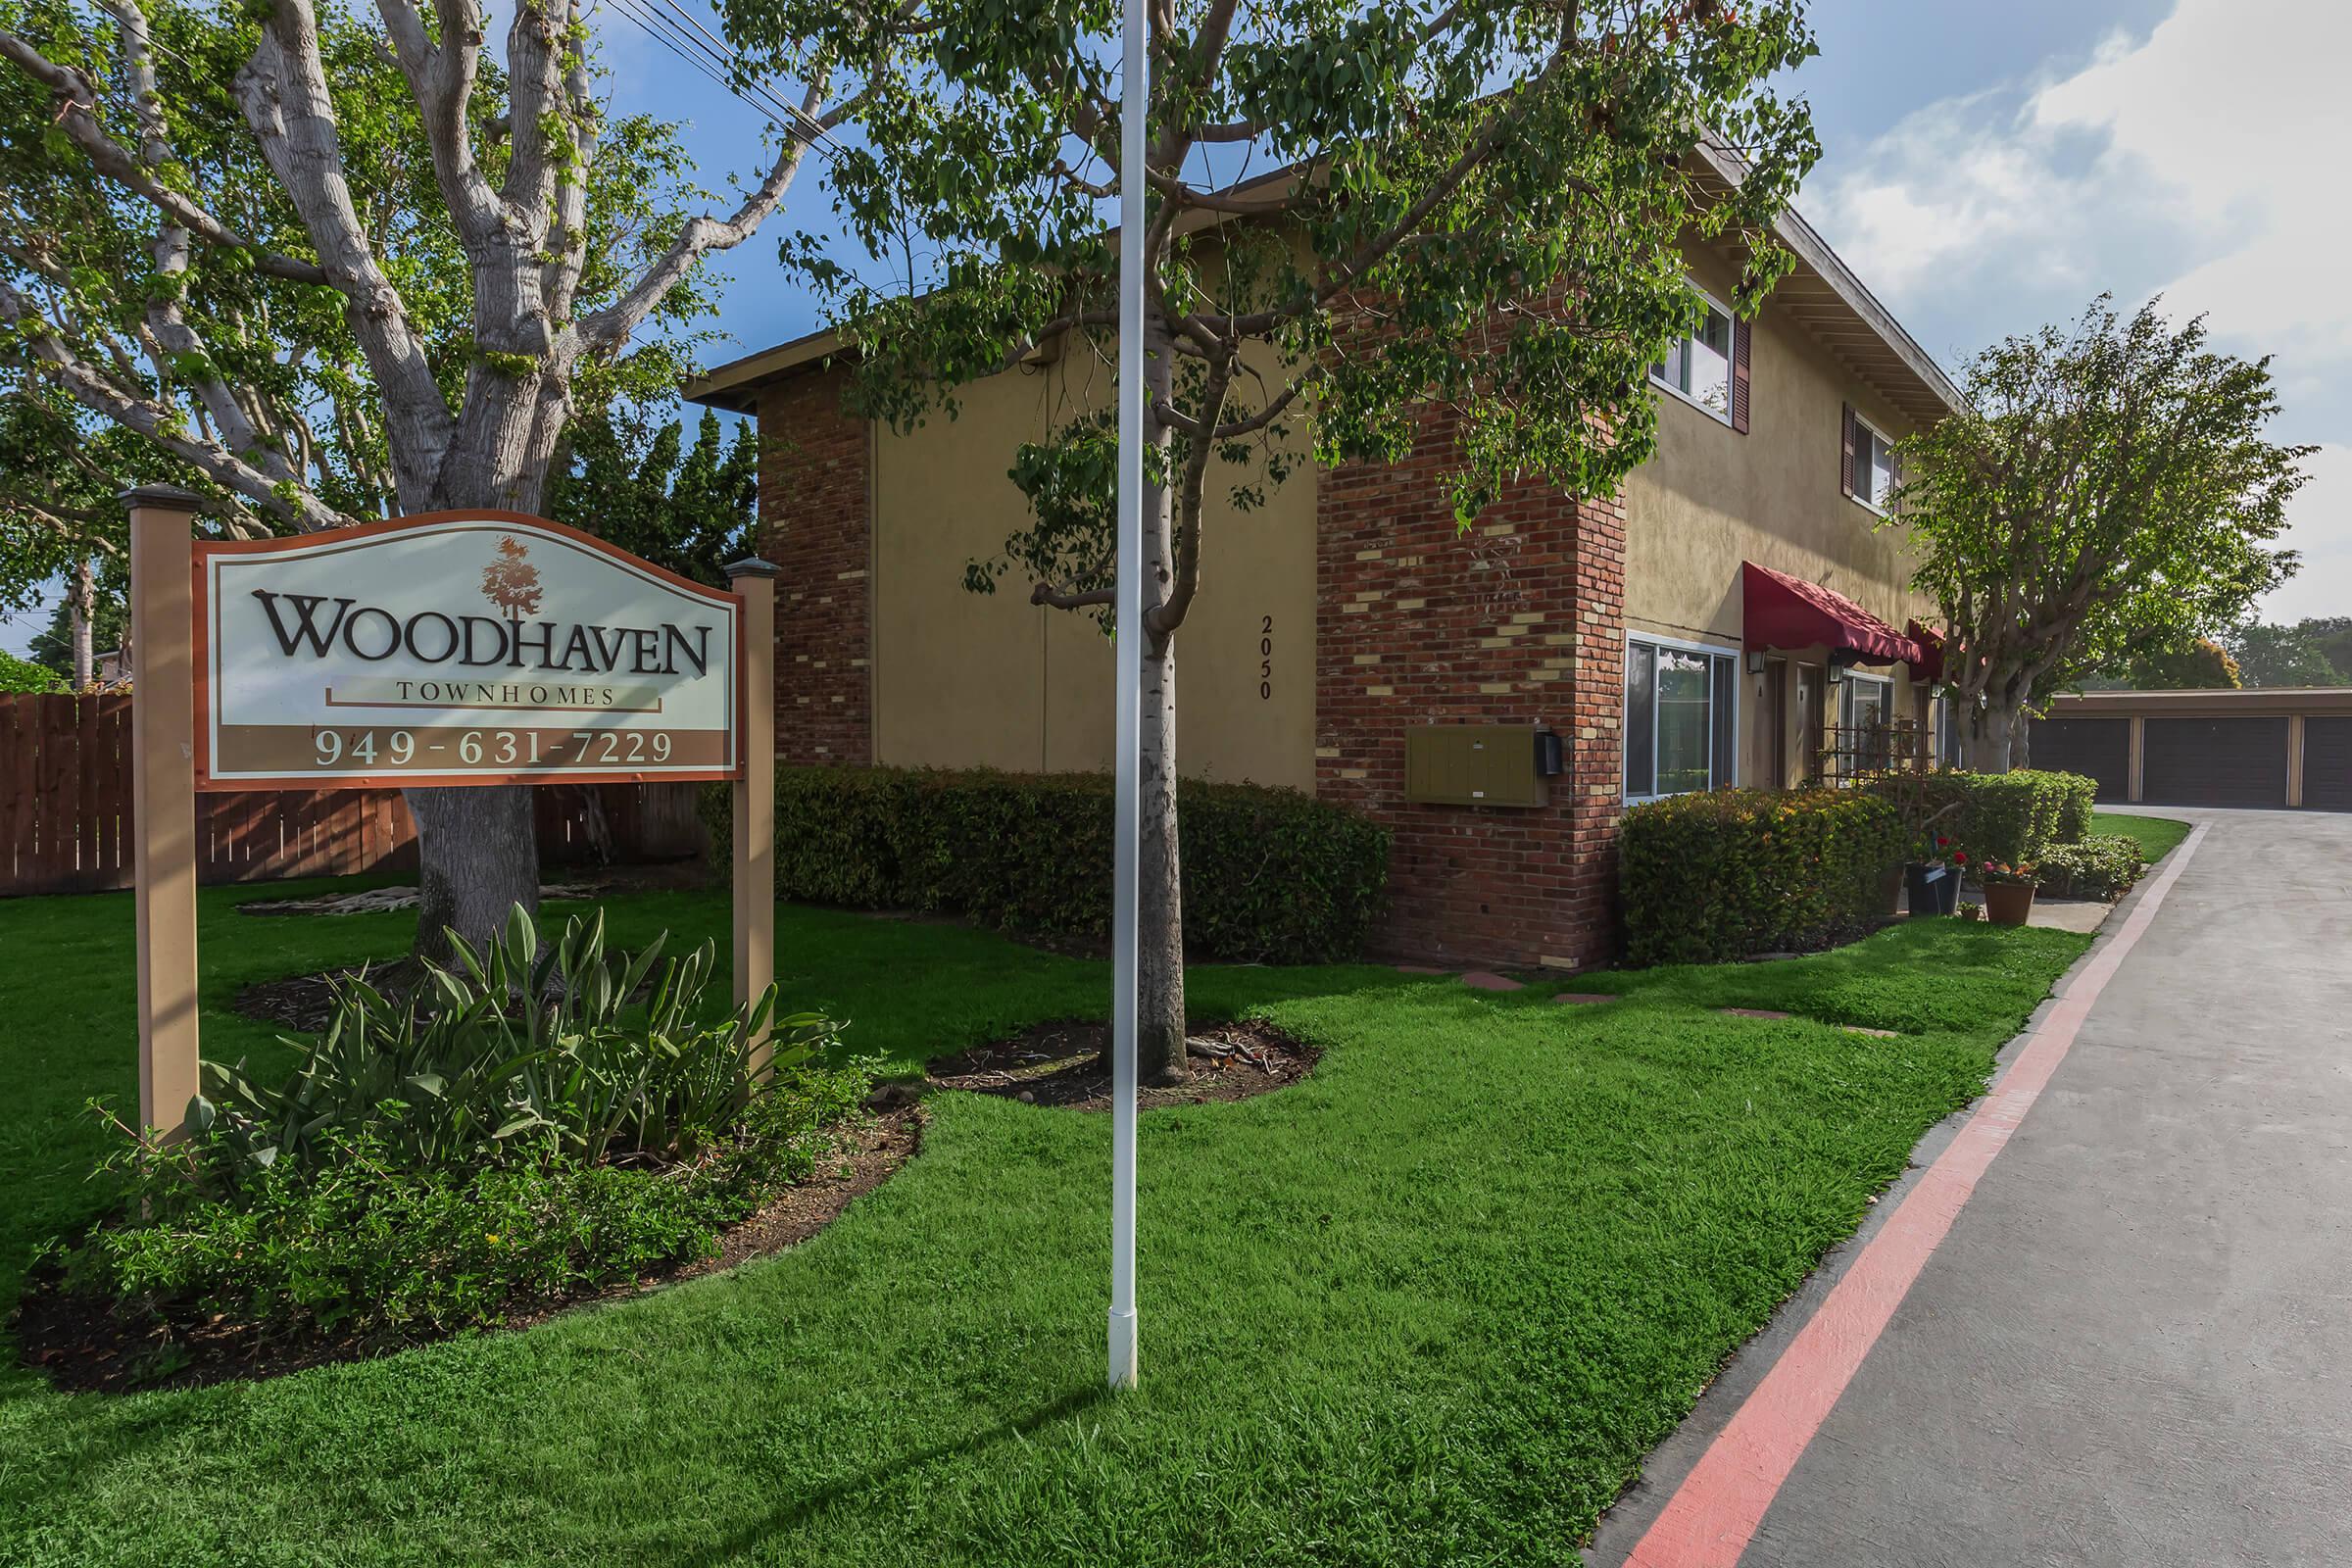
(2133, 1345)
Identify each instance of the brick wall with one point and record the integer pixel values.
(816, 523)
(1521, 620)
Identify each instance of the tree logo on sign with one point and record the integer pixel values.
(511, 583)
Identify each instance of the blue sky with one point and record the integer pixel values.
(1987, 167)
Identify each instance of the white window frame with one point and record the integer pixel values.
(1885, 685)
(1721, 417)
(1862, 468)
(1682, 644)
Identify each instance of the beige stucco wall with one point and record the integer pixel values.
(966, 679)
(1712, 498)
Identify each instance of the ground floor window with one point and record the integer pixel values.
(1681, 717)
(1865, 720)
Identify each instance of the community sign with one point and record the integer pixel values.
(459, 648)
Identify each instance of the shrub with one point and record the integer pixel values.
(515, 1051)
(2104, 865)
(22, 676)
(1717, 875)
(354, 1242)
(526, 1125)
(2002, 816)
(1270, 875)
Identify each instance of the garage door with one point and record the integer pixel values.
(2214, 761)
(2327, 763)
(2100, 747)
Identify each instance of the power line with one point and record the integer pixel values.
(674, 28)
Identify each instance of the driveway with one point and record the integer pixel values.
(2133, 1345)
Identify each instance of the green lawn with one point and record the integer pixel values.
(2157, 835)
(1431, 1306)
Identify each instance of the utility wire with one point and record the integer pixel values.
(676, 30)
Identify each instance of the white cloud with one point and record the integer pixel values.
(2199, 162)
(2221, 130)
(2236, 109)
(2319, 529)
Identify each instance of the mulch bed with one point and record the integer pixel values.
(1063, 1065)
(85, 1345)
(303, 1003)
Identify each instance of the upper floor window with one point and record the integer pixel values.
(1871, 473)
(1709, 366)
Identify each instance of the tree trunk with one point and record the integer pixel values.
(1990, 733)
(2021, 741)
(1159, 924)
(478, 854)
(84, 610)
(1159, 932)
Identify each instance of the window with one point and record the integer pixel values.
(1868, 702)
(1681, 717)
(1871, 473)
(1699, 366)
(1865, 710)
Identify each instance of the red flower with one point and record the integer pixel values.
(1959, 857)
(1942, 841)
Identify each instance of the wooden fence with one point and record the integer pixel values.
(66, 800)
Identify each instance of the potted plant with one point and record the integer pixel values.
(1933, 886)
(2008, 892)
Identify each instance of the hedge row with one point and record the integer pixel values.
(2007, 817)
(2103, 865)
(1270, 875)
(1728, 872)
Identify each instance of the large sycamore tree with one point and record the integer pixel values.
(2107, 494)
(331, 265)
(1471, 212)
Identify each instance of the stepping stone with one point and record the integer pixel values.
(1753, 1012)
(1875, 1034)
(1585, 996)
(1417, 968)
(1486, 980)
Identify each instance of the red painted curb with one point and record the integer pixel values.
(1714, 1513)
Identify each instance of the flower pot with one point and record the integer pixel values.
(1890, 892)
(1947, 891)
(1927, 883)
(2008, 903)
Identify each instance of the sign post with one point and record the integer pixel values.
(1127, 627)
(163, 798)
(755, 794)
(454, 648)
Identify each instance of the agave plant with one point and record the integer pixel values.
(520, 1047)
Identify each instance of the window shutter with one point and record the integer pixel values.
(1846, 432)
(1740, 352)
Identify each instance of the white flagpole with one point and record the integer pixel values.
(1134, 112)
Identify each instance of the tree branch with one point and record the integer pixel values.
(282, 91)
(94, 391)
(700, 236)
(76, 95)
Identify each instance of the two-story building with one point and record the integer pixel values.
(1709, 626)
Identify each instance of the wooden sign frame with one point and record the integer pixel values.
(493, 521)
(169, 764)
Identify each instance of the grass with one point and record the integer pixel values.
(2157, 835)
(1431, 1306)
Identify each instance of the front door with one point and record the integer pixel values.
(1768, 755)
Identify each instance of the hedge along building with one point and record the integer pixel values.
(1351, 642)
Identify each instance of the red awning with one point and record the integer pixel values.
(1929, 665)
(1785, 612)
